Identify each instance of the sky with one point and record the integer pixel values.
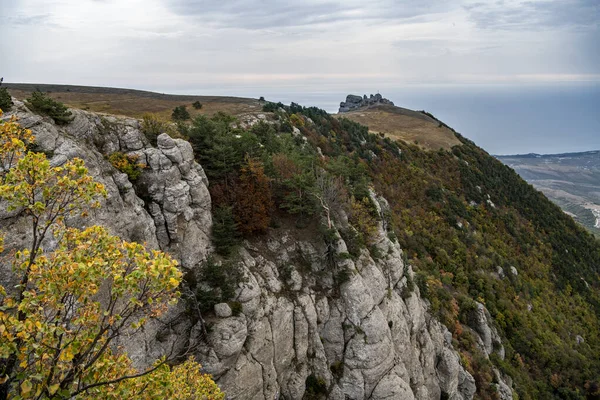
(312, 50)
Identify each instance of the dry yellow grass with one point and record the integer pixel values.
(407, 125)
(136, 103)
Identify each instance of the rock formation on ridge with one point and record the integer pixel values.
(354, 102)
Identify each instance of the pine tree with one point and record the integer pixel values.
(5, 100)
(180, 113)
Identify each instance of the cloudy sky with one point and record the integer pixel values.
(305, 46)
(178, 43)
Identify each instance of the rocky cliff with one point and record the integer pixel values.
(354, 102)
(308, 324)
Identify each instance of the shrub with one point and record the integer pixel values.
(126, 164)
(152, 127)
(272, 107)
(343, 276)
(225, 234)
(337, 369)
(180, 113)
(197, 105)
(43, 104)
(410, 286)
(5, 100)
(297, 120)
(354, 241)
(218, 283)
(315, 387)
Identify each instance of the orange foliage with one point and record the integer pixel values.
(285, 167)
(253, 198)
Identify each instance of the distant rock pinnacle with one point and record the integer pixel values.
(353, 102)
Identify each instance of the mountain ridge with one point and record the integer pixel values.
(537, 155)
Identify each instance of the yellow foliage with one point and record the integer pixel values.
(57, 326)
(362, 219)
(297, 120)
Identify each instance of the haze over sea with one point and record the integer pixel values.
(503, 119)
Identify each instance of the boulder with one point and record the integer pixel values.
(222, 310)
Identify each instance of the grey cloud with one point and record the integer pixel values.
(23, 20)
(265, 14)
(536, 15)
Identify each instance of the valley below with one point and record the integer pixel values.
(571, 180)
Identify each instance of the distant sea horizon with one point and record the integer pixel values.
(502, 119)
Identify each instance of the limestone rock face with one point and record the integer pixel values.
(358, 337)
(362, 337)
(168, 207)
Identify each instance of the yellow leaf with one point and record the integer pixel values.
(53, 388)
(67, 355)
(26, 387)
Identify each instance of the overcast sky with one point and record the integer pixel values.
(194, 43)
(513, 75)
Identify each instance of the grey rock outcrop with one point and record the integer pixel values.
(354, 102)
(489, 342)
(359, 337)
(168, 207)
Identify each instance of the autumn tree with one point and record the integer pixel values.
(362, 218)
(59, 325)
(254, 203)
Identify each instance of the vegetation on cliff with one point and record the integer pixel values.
(5, 99)
(44, 104)
(473, 230)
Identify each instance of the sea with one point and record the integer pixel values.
(502, 119)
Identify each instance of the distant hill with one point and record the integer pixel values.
(414, 127)
(571, 180)
(134, 103)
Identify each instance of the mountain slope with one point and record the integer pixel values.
(319, 299)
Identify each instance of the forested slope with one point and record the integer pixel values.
(472, 228)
